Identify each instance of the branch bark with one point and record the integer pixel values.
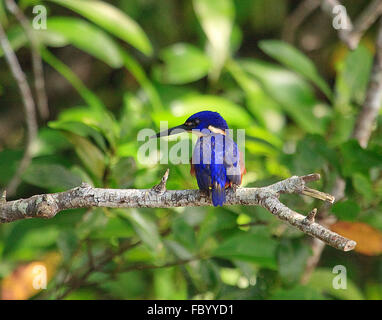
(85, 196)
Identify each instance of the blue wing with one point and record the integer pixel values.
(216, 164)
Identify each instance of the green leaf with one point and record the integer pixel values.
(116, 227)
(67, 242)
(3, 15)
(290, 91)
(298, 293)
(135, 281)
(257, 248)
(353, 76)
(92, 157)
(16, 38)
(111, 19)
(216, 18)
(322, 279)
(145, 228)
(51, 176)
(9, 161)
(292, 256)
(178, 250)
(184, 233)
(312, 153)
(231, 112)
(80, 129)
(98, 118)
(295, 60)
(213, 223)
(50, 142)
(88, 38)
(25, 240)
(356, 159)
(169, 286)
(183, 63)
(347, 210)
(363, 185)
(263, 107)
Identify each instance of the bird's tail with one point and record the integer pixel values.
(218, 194)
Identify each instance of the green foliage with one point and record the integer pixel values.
(131, 69)
(183, 63)
(106, 15)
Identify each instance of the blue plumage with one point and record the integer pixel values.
(216, 161)
(216, 164)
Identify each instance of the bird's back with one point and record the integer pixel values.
(216, 163)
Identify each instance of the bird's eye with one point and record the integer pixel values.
(197, 121)
(188, 124)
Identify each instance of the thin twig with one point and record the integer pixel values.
(373, 99)
(353, 33)
(293, 21)
(38, 71)
(365, 20)
(29, 109)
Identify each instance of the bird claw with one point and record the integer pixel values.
(234, 187)
(205, 193)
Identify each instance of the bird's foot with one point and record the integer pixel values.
(234, 187)
(204, 193)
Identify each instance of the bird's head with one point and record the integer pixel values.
(198, 123)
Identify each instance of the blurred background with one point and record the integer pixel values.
(111, 68)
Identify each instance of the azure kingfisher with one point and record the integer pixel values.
(216, 161)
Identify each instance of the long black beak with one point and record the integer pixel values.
(175, 130)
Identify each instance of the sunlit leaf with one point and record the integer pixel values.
(87, 37)
(322, 280)
(80, 129)
(295, 60)
(183, 63)
(111, 19)
(290, 91)
(92, 157)
(266, 110)
(231, 112)
(353, 75)
(216, 18)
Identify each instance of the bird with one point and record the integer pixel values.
(216, 161)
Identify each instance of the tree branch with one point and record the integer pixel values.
(297, 17)
(362, 131)
(85, 196)
(42, 100)
(352, 35)
(29, 108)
(373, 99)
